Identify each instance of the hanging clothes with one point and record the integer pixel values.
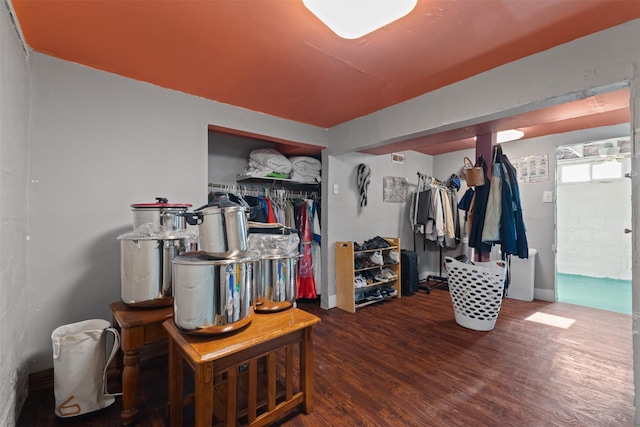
(480, 201)
(491, 227)
(306, 281)
(512, 227)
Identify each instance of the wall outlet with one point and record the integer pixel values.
(547, 196)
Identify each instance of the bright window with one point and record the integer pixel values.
(607, 170)
(576, 173)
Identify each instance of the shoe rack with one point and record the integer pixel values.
(348, 296)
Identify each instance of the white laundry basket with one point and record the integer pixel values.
(476, 292)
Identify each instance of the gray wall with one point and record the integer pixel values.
(101, 142)
(14, 157)
(228, 155)
(345, 220)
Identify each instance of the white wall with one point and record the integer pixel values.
(14, 155)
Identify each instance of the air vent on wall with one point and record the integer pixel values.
(397, 158)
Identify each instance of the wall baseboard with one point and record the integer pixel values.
(544, 294)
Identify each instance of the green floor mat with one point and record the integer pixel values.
(602, 293)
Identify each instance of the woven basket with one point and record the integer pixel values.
(476, 292)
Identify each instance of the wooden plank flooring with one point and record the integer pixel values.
(407, 362)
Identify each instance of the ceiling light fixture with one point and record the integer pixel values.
(351, 19)
(507, 135)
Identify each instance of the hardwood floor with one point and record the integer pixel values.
(407, 362)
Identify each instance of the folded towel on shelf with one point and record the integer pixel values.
(256, 169)
(270, 159)
(305, 169)
(306, 165)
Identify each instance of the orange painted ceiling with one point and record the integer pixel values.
(275, 57)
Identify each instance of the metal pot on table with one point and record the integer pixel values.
(212, 296)
(222, 226)
(163, 213)
(146, 256)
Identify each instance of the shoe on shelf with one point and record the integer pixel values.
(376, 258)
(373, 295)
(369, 276)
(381, 278)
(360, 281)
(381, 243)
(389, 274)
(389, 291)
(391, 257)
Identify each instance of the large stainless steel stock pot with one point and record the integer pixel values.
(275, 279)
(163, 213)
(146, 256)
(222, 226)
(212, 296)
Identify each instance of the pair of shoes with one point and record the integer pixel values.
(381, 278)
(373, 295)
(389, 292)
(391, 257)
(388, 274)
(375, 243)
(369, 276)
(359, 281)
(376, 258)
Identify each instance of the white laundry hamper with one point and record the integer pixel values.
(476, 292)
(79, 367)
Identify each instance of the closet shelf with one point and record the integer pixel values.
(273, 180)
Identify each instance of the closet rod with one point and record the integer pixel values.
(287, 193)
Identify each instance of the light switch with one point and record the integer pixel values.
(335, 189)
(547, 196)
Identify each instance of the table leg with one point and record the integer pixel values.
(130, 375)
(204, 394)
(306, 370)
(175, 385)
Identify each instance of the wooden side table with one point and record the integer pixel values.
(223, 359)
(138, 327)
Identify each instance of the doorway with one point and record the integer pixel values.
(593, 220)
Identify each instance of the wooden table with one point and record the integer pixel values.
(220, 361)
(138, 327)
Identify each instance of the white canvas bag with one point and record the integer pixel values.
(80, 367)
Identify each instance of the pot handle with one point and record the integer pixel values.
(162, 200)
(193, 218)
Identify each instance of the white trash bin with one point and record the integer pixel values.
(523, 272)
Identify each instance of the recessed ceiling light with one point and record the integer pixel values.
(351, 19)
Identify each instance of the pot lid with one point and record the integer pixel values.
(220, 200)
(153, 231)
(161, 202)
